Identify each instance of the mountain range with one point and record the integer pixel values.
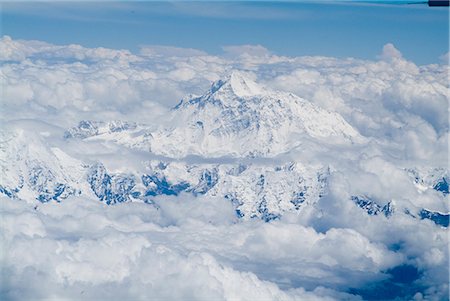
(239, 141)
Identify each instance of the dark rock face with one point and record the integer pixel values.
(160, 186)
(442, 186)
(111, 189)
(372, 207)
(438, 218)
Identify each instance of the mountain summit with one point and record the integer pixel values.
(239, 117)
(239, 83)
(235, 87)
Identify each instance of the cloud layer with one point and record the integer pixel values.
(72, 82)
(196, 248)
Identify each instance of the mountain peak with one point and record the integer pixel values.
(239, 83)
(238, 117)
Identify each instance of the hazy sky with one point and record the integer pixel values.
(337, 29)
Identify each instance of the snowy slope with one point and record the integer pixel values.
(37, 165)
(237, 117)
(125, 133)
(31, 168)
(215, 145)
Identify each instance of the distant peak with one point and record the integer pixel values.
(240, 83)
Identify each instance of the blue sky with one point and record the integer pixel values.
(340, 29)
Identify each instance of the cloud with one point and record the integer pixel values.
(195, 247)
(378, 98)
(87, 81)
(128, 256)
(19, 50)
(390, 52)
(184, 249)
(445, 58)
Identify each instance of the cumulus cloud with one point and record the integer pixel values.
(57, 80)
(380, 98)
(187, 247)
(390, 52)
(445, 58)
(19, 50)
(196, 249)
(132, 256)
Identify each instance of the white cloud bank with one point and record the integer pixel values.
(82, 250)
(85, 250)
(196, 248)
(71, 82)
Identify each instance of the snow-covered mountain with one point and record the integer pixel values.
(125, 133)
(32, 168)
(237, 117)
(229, 143)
